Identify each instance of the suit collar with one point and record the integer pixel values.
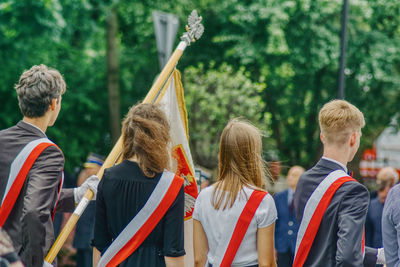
(31, 128)
(333, 166)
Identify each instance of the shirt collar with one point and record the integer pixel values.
(291, 191)
(337, 162)
(290, 195)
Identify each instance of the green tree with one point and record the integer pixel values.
(213, 97)
(293, 46)
(65, 35)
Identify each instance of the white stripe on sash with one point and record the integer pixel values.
(313, 202)
(227, 235)
(19, 161)
(141, 217)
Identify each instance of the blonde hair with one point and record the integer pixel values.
(388, 174)
(146, 135)
(240, 162)
(338, 119)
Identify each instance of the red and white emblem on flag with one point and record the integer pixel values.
(184, 170)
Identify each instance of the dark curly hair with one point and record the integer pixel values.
(145, 133)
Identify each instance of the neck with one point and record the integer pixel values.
(341, 154)
(134, 159)
(41, 122)
(293, 188)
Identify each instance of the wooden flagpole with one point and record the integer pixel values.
(194, 31)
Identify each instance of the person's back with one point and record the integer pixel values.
(373, 224)
(287, 226)
(330, 205)
(29, 222)
(217, 222)
(139, 202)
(12, 141)
(346, 210)
(31, 167)
(124, 190)
(390, 227)
(234, 219)
(387, 177)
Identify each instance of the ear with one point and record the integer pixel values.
(321, 137)
(53, 104)
(353, 139)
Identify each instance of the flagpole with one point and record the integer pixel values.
(194, 30)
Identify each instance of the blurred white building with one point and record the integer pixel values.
(386, 152)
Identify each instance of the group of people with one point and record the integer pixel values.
(139, 215)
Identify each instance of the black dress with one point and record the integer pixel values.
(122, 193)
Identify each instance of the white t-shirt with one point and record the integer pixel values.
(217, 223)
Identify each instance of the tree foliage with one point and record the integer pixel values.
(233, 95)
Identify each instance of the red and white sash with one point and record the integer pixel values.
(133, 235)
(19, 170)
(314, 211)
(230, 243)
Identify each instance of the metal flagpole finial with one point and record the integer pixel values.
(194, 29)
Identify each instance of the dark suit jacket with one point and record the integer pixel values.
(29, 223)
(373, 224)
(339, 237)
(286, 226)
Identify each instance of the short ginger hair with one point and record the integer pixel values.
(338, 119)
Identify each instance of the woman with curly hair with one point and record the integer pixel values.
(129, 196)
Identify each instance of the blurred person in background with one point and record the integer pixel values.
(85, 226)
(8, 256)
(391, 227)
(286, 226)
(387, 177)
(278, 181)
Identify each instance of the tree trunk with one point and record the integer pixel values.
(113, 76)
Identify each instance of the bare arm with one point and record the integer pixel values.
(200, 244)
(174, 261)
(96, 256)
(265, 246)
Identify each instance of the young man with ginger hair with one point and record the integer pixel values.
(330, 205)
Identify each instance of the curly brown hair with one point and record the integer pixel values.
(145, 133)
(36, 89)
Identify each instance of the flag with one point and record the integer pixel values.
(172, 102)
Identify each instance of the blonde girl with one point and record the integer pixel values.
(219, 207)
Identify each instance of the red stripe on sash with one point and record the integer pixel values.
(241, 227)
(363, 243)
(313, 225)
(19, 181)
(150, 224)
